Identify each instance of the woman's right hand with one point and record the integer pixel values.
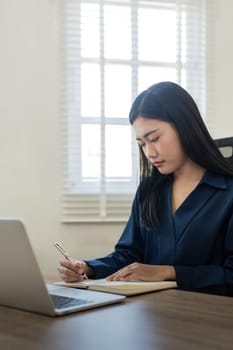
(72, 270)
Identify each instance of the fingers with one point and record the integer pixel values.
(144, 272)
(74, 265)
(71, 271)
(125, 274)
(68, 275)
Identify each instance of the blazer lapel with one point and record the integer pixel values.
(195, 201)
(166, 232)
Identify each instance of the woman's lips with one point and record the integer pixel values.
(158, 164)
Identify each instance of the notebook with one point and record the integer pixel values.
(23, 286)
(120, 287)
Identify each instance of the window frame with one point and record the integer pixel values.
(100, 204)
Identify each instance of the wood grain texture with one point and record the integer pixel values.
(165, 320)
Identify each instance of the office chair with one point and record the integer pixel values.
(225, 146)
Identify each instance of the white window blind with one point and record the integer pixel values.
(113, 49)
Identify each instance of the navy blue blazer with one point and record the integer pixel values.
(197, 239)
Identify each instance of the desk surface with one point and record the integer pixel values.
(165, 320)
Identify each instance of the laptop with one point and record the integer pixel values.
(22, 284)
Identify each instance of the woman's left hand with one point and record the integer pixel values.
(144, 272)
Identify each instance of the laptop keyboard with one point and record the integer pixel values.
(61, 302)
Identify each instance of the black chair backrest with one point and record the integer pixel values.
(225, 145)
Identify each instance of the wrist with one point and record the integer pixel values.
(89, 270)
(171, 273)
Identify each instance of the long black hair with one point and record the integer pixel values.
(169, 102)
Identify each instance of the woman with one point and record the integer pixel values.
(181, 224)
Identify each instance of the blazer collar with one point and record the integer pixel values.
(214, 180)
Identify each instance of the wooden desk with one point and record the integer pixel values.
(170, 319)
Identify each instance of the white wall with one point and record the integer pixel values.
(224, 69)
(30, 137)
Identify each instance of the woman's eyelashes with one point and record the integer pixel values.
(152, 140)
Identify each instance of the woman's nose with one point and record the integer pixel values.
(150, 151)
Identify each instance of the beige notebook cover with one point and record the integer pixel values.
(120, 287)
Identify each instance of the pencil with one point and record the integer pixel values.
(66, 255)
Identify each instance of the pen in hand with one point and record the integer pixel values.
(66, 255)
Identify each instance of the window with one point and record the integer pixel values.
(113, 49)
